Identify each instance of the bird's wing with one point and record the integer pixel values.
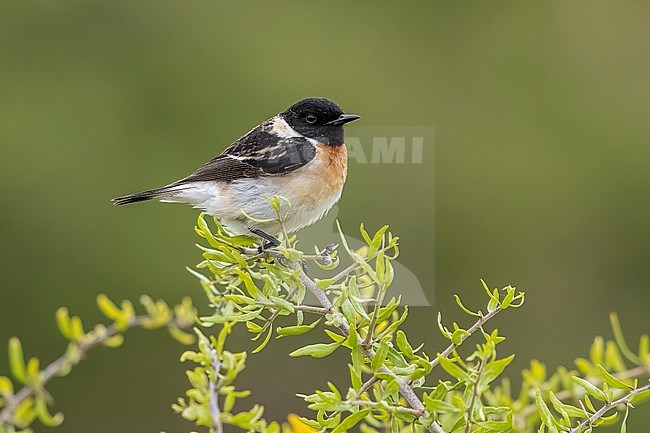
(257, 154)
(222, 168)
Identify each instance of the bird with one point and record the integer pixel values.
(298, 154)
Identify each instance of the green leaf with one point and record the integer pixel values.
(376, 242)
(496, 426)
(487, 289)
(353, 338)
(494, 370)
(453, 369)
(440, 406)
(613, 359)
(392, 388)
(351, 421)
(114, 341)
(108, 308)
(355, 378)
(349, 313)
(357, 357)
(396, 324)
(6, 386)
(403, 344)
(380, 356)
(597, 350)
(559, 407)
(389, 274)
(77, 329)
(385, 312)
(460, 422)
(181, 336)
(364, 234)
(282, 303)
(251, 288)
(265, 342)
(253, 327)
(320, 350)
(574, 412)
(443, 330)
(296, 330)
(324, 284)
(492, 305)
(544, 413)
(336, 337)
(644, 348)
(17, 360)
(611, 380)
(465, 309)
(591, 389)
(507, 300)
(63, 321)
(44, 415)
(458, 336)
(620, 339)
(343, 240)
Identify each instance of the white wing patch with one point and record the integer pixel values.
(282, 129)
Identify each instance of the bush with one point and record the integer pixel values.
(390, 386)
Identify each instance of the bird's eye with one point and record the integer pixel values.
(311, 118)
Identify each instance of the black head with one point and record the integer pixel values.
(318, 118)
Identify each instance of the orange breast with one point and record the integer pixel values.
(333, 165)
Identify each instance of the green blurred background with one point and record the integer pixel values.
(540, 168)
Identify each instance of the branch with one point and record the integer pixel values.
(607, 407)
(475, 327)
(405, 390)
(62, 364)
(563, 395)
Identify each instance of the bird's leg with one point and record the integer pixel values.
(271, 241)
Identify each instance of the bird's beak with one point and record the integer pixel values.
(343, 119)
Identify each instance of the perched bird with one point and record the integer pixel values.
(298, 154)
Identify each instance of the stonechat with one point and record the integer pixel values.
(298, 154)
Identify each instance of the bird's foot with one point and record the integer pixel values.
(271, 241)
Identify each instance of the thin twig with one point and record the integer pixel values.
(475, 327)
(388, 407)
(367, 384)
(354, 266)
(61, 364)
(276, 313)
(607, 407)
(367, 342)
(214, 393)
(470, 409)
(305, 308)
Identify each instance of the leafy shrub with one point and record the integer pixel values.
(388, 388)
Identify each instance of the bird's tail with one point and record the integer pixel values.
(143, 196)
